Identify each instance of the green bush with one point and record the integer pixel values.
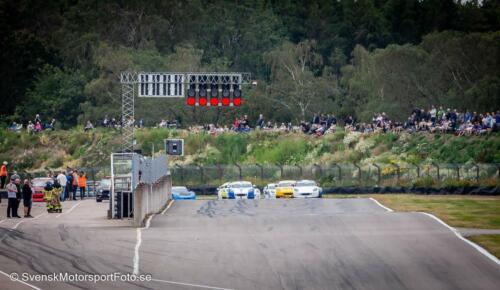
(287, 151)
(232, 147)
(426, 181)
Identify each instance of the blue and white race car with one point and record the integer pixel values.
(181, 192)
(238, 190)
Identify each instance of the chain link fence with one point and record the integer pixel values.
(335, 175)
(341, 175)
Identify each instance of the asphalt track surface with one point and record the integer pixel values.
(248, 244)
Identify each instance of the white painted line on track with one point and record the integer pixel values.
(386, 208)
(190, 285)
(138, 245)
(457, 233)
(139, 239)
(25, 219)
(15, 227)
(69, 210)
(168, 206)
(136, 252)
(17, 280)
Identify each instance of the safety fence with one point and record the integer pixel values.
(338, 176)
(341, 175)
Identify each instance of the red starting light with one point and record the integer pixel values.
(214, 101)
(225, 96)
(191, 101)
(202, 101)
(237, 102)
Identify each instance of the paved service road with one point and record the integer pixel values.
(254, 244)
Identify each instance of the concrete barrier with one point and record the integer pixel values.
(151, 198)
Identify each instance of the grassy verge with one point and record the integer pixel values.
(489, 242)
(458, 211)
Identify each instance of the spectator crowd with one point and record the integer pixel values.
(34, 126)
(420, 120)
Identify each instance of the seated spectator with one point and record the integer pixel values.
(30, 128)
(51, 125)
(113, 123)
(368, 129)
(16, 128)
(38, 127)
(88, 126)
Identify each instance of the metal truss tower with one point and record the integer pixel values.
(129, 80)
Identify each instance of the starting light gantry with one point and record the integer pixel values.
(203, 89)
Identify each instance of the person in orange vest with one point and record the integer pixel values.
(82, 183)
(3, 174)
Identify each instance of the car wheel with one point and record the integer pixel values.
(98, 200)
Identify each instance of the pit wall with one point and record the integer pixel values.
(151, 198)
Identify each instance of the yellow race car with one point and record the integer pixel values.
(222, 191)
(285, 189)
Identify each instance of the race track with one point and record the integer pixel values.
(250, 244)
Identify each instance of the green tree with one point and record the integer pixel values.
(55, 94)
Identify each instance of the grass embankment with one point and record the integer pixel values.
(457, 211)
(77, 148)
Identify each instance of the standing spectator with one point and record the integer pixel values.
(74, 183)
(19, 193)
(260, 121)
(105, 122)
(3, 174)
(15, 175)
(433, 113)
(37, 119)
(27, 198)
(61, 178)
(440, 113)
(315, 119)
(69, 185)
(12, 196)
(82, 183)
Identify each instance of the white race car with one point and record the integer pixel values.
(306, 188)
(270, 190)
(239, 190)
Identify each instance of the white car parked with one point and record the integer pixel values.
(270, 190)
(306, 188)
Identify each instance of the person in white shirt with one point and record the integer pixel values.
(12, 192)
(61, 178)
(433, 113)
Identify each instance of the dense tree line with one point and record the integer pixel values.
(62, 58)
